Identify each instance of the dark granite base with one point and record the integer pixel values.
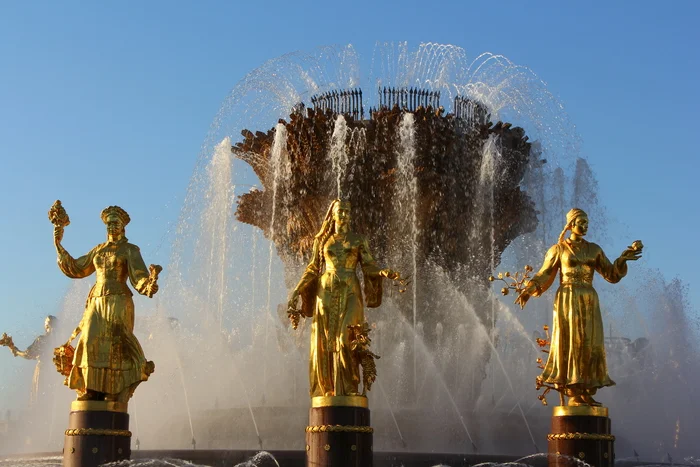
(581, 438)
(339, 437)
(96, 437)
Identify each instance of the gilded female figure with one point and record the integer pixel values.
(576, 366)
(331, 294)
(109, 362)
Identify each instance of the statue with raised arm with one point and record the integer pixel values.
(108, 363)
(39, 350)
(331, 295)
(576, 366)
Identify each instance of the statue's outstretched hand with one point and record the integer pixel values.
(633, 252)
(525, 295)
(292, 312)
(73, 335)
(522, 299)
(292, 303)
(152, 286)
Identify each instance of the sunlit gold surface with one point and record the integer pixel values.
(108, 363)
(590, 436)
(576, 366)
(63, 360)
(339, 429)
(339, 401)
(332, 295)
(97, 432)
(359, 345)
(98, 406)
(589, 410)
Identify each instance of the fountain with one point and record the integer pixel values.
(447, 189)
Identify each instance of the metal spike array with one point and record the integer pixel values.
(346, 102)
(472, 111)
(408, 99)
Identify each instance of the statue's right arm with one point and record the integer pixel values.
(547, 273)
(544, 278)
(75, 268)
(307, 279)
(74, 334)
(311, 271)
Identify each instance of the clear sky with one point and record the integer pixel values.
(108, 103)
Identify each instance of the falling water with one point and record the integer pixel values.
(391, 411)
(253, 268)
(408, 197)
(278, 156)
(487, 177)
(240, 379)
(216, 220)
(53, 419)
(468, 308)
(417, 339)
(136, 420)
(339, 151)
(184, 390)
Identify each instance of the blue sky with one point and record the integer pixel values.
(109, 103)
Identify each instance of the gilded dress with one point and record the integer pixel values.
(108, 357)
(332, 295)
(577, 352)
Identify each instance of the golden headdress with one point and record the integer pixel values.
(571, 216)
(115, 211)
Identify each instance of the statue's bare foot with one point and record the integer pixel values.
(91, 395)
(590, 401)
(576, 401)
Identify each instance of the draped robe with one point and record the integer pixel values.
(108, 357)
(332, 295)
(577, 351)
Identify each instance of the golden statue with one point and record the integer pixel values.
(38, 350)
(330, 292)
(108, 363)
(576, 366)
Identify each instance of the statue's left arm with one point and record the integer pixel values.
(612, 272)
(370, 268)
(373, 275)
(138, 272)
(75, 268)
(369, 264)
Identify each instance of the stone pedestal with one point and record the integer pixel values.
(582, 433)
(339, 432)
(98, 432)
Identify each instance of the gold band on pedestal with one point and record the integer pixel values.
(339, 429)
(589, 436)
(339, 401)
(579, 410)
(97, 432)
(98, 406)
